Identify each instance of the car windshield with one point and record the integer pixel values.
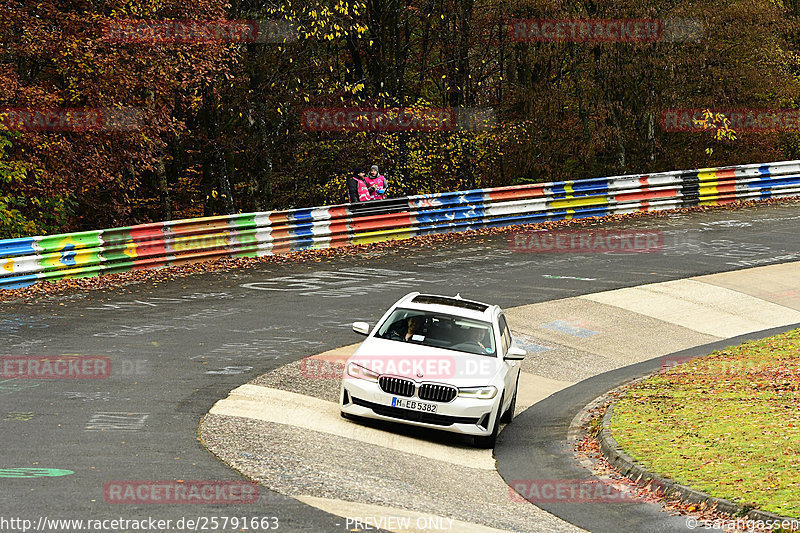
(439, 330)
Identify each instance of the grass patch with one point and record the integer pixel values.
(727, 424)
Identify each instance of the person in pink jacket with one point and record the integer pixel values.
(376, 184)
(356, 187)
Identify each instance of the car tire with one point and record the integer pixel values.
(508, 416)
(490, 440)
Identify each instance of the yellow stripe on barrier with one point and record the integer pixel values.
(578, 202)
(709, 175)
(383, 235)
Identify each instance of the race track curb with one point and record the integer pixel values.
(629, 468)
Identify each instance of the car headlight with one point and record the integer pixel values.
(481, 393)
(358, 371)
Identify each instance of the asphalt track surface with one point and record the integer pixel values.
(534, 447)
(178, 346)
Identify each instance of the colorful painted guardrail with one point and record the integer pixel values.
(30, 260)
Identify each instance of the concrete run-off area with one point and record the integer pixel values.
(386, 470)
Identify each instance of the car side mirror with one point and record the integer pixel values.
(515, 354)
(361, 327)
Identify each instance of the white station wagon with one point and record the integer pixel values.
(435, 361)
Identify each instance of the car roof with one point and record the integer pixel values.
(453, 305)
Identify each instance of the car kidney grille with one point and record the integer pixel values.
(398, 386)
(437, 393)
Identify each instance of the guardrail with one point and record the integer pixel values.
(30, 260)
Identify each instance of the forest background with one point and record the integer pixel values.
(221, 125)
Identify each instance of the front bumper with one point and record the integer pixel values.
(467, 416)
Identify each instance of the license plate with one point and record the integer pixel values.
(414, 405)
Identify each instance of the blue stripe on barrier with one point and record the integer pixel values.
(18, 282)
(774, 182)
(302, 230)
(301, 215)
(590, 187)
(452, 214)
(516, 219)
(305, 243)
(447, 228)
(585, 212)
(17, 247)
(600, 184)
(475, 197)
(442, 200)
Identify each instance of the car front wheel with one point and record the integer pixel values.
(508, 416)
(491, 439)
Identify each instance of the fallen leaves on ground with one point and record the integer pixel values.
(155, 276)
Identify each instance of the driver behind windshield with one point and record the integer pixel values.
(413, 327)
(404, 330)
(478, 336)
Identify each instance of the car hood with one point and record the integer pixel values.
(435, 364)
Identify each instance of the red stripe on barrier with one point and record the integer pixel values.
(515, 194)
(376, 222)
(281, 248)
(280, 234)
(149, 239)
(148, 234)
(729, 173)
(278, 218)
(201, 226)
(338, 212)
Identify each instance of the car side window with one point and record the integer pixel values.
(505, 334)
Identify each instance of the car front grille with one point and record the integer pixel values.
(415, 416)
(398, 386)
(437, 393)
